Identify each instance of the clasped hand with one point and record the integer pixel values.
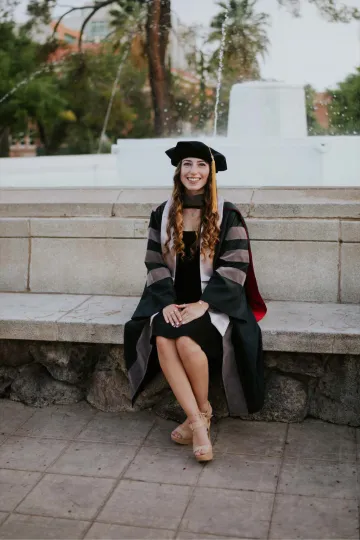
(177, 314)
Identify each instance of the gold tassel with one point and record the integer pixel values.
(213, 185)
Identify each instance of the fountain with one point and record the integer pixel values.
(266, 145)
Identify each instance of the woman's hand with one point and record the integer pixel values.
(172, 315)
(190, 312)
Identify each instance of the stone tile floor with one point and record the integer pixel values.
(73, 472)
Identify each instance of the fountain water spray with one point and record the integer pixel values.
(220, 70)
(113, 92)
(28, 79)
(116, 81)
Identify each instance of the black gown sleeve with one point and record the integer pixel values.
(225, 291)
(159, 289)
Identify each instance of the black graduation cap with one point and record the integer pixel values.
(196, 149)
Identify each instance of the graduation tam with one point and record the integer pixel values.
(197, 149)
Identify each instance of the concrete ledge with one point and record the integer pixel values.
(289, 326)
(321, 203)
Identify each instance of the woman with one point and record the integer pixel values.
(201, 304)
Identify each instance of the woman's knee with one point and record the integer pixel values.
(163, 343)
(187, 346)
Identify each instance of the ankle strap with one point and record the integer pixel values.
(198, 423)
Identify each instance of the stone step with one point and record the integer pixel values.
(104, 255)
(121, 202)
(289, 326)
(306, 243)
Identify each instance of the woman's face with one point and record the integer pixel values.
(194, 174)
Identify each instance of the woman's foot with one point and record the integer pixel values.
(183, 434)
(200, 427)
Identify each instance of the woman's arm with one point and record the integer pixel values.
(225, 291)
(159, 289)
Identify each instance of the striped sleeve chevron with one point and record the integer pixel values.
(225, 291)
(154, 261)
(234, 257)
(159, 289)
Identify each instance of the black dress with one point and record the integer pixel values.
(188, 289)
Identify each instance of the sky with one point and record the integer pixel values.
(302, 50)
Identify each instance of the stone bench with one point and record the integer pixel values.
(61, 348)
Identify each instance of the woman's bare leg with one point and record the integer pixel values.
(175, 374)
(196, 366)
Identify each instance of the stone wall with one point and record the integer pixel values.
(298, 385)
(306, 243)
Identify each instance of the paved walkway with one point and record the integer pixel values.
(74, 472)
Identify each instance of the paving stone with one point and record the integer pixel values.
(129, 428)
(169, 466)
(29, 454)
(3, 516)
(320, 440)
(196, 536)
(19, 526)
(14, 485)
(13, 415)
(309, 517)
(146, 504)
(241, 472)
(99, 531)
(229, 513)
(58, 425)
(80, 409)
(318, 479)
(160, 433)
(67, 496)
(250, 438)
(94, 459)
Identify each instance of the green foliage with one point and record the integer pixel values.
(331, 10)
(246, 38)
(67, 103)
(313, 127)
(344, 111)
(19, 63)
(246, 41)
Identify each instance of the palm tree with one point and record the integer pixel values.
(246, 39)
(150, 24)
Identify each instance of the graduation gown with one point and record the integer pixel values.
(228, 285)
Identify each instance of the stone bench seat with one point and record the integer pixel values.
(289, 326)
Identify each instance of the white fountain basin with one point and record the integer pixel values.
(267, 146)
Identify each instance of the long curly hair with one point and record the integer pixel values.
(208, 220)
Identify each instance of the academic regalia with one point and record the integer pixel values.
(227, 284)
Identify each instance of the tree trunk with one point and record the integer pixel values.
(4, 142)
(157, 36)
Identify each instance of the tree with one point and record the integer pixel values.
(157, 29)
(330, 9)
(66, 104)
(39, 97)
(313, 127)
(246, 40)
(344, 111)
